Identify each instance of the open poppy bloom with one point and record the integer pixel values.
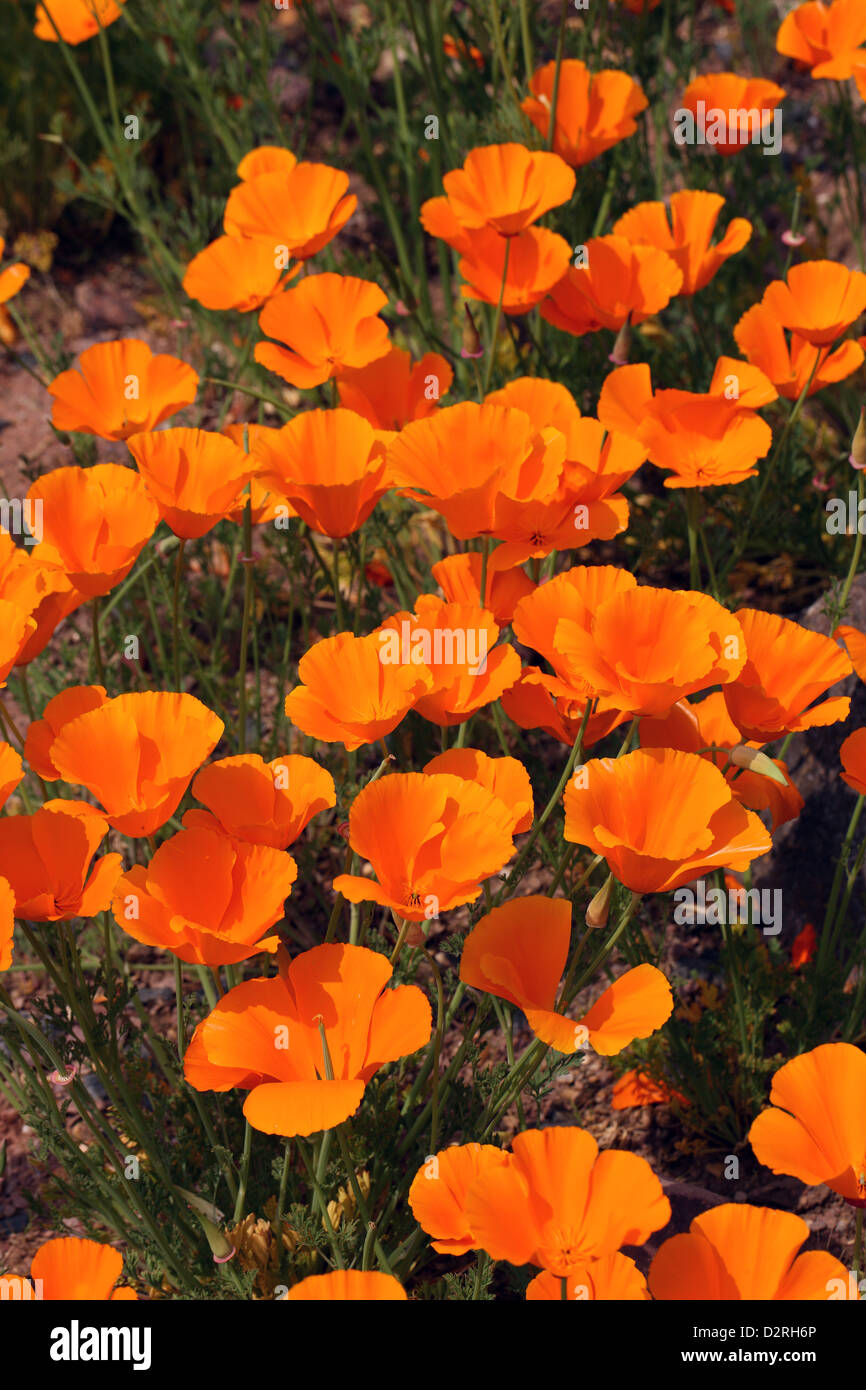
(855, 645)
(620, 283)
(459, 578)
(852, 756)
(730, 111)
(702, 440)
(266, 159)
(792, 368)
(7, 922)
(736, 1251)
(706, 724)
(234, 272)
(431, 838)
(594, 111)
(687, 237)
(613, 1278)
(207, 898)
(815, 1127)
(261, 803)
(438, 1193)
(642, 649)
(96, 522)
(559, 1202)
(349, 695)
(11, 771)
(530, 705)
(16, 629)
(818, 301)
(330, 465)
(635, 1088)
(787, 668)
(135, 753)
(194, 476)
(661, 818)
(119, 389)
(74, 20)
(40, 588)
(393, 390)
(326, 323)
(829, 39)
(74, 700)
(265, 503)
(506, 188)
(803, 946)
(78, 1270)
(537, 261)
(456, 643)
(47, 860)
(306, 1045)
(519, 952)
(13, 277)
(504, 777)
(348, 1286)
(297, 210)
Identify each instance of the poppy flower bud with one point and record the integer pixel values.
(791, 238)
(221, 1247)
(599, 909)
(857, 456)
(622, 347)
(756, 761)
(471, 345)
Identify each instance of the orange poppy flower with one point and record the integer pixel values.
(300, 209)
(135, 753)
(16, 629)
(504, 777)
(828, 38)
(594, 111)
(73, 1269)
(120, 389)
(47, 858)
(559, 1202)
(459, 578)
(661, 818)
(787, 668)
(456, 643)
(530, 705)
(306, 1045)
(519, 952)
(819, 300)
(392, 391)
(815, 1128)
(695, 727)
(620, 283)
(207, 898)
(467, 458)
(506, 188)
(855, 645)
(74, 700)
(537, 261)
(612, 1278)
(643, 649)
(13, 277)
(96, 523)
(852, 756)
(791, 369)
(261, 803)
(438, 1193)
(703, 440)
(687, 237)
(324, 324)
(735, 1251)
(458, 48)
(194, 476)
(39, 587)
(635, 1088)
(803, 946)
(349, 695)
(74, 20)
(330, 465)
(265, 503)
(348, 1286)
(7, 922)
(738, 99)
(431, 839)
(266, 159)
(234, 272)
(11, 771)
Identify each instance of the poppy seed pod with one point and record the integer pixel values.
(857, 456)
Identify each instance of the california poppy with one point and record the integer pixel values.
(519, 951)
(736, 1251)
(234, 272)
(47, 859)
(852, 756)
(614, 1278)
(803, 946)
(393, 390)
(266, 159)
(506, 188)
(438, 1193)
(326, 323)
(829, 39)
(729, 110)
(855, 645)
(306, 1045)
(660, 818)
(348, 1286)
(687, 237)
(73, 1269)
(792, 367)
(74, 20)
(16, 628)
(12, 277)
(7, 922)
(265, 503)
(537, 261)
(119, 389)
(40, 588)
(135, 753)
(466, 52)
(206, 897)
(459, 578)
(504, 777)
(620, 282)
(531, 705)
(818, 301)
(348, 695)
(261, 803)
(787, 668)
(594, 111)
(11, 771)
(96, 521)
(815, 1127)
(635, 1088)
(194, 476)
(431, 838)
(74, 700)
(299, 209)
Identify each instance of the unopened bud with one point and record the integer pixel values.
(857, 456)
(599, 908)
(471, 346)
(622, 347)
(756, 761)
